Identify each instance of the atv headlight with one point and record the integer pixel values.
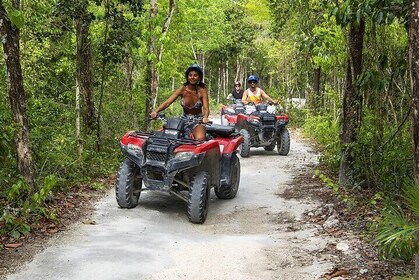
(134, 149)
(184, 156)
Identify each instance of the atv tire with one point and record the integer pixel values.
(198, 200)
(271, 146)
(283, 142)
(228, 191)
(245, 146)
(128, 184)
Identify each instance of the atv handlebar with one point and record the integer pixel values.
(159, 116)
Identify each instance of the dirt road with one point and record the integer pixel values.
(257, 235)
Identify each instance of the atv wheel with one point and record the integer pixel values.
(128, 184)
(271, 146)
(283, 142)
(198, 200)
(245, 146)
(226, 191)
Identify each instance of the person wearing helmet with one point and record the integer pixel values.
(254, 93)
(194, 100)
(237, 92)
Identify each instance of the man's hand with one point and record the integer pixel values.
(205, 120)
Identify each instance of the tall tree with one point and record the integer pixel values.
(351, 14)
(413, 32)
(352, 100)
(414, 79)
(11, 45)
(82, 20)
(155, 56)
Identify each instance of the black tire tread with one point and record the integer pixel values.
(283, 142)
(127, 184)
(245, 146)
(198, 199)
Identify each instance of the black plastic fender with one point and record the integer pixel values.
(225, 178)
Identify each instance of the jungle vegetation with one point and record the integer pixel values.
(76, 75)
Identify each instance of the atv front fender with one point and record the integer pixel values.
(226, 164)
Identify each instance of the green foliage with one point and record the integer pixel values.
(98, 186)
(24, 206)
(380, 12)
(381, 158)
(297, 117)
(330, 183)
(13, 227)
(16, 17)
(227, 38)
(325, 131)
(399, 229)
(327, 181)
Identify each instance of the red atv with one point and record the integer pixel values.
(261, 127)
(170, 161)
(229, 112)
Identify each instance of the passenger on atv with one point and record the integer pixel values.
(194, 100)
(237, 92)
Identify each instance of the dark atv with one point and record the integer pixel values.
(170, 161)
(261, 127)
(229, 112)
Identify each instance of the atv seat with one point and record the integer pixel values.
(220, 130)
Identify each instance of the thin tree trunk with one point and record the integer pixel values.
(149, 79)
(316, 88)
(165, 29)
(17, 98)
(129, 72)
(85, 68)
(219, 83)
(414, 87)
(223, 79)
(352, 101)
(102, 83)
(78, 133)
(153, 76)
(414, 79)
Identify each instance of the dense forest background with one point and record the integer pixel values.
(78, 74)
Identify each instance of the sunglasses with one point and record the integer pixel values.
(237, 85)
(253, 82)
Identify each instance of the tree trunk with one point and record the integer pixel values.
(129, 72)
(149, 67)
(152, 73)
(351, 103)
(316, 89)
(165, 29)
(104, 63)
(413, 33)
(17, 98)
(85, 69)
(78, 133)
